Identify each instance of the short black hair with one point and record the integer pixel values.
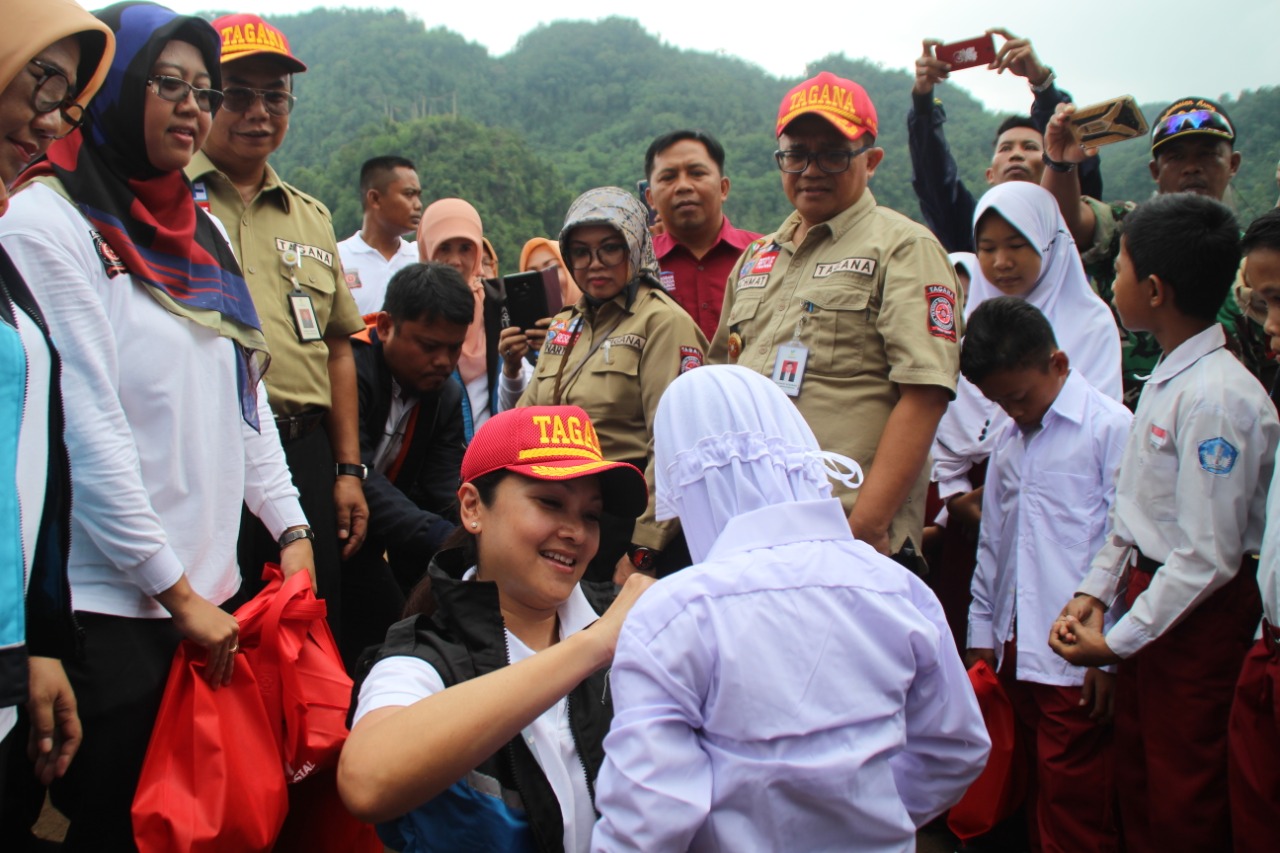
(427, 292)
(662, 143)
(1005, 333)
(1010, 123)
(1189, 242)
(375, 172)
(1263, 233)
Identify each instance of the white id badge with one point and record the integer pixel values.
(788, 368)
(304, 317)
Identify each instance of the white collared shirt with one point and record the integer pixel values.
(368, 272)
(393, 431)
(400, 681)
(1044, 515)
(1192, 488)
(794, 691)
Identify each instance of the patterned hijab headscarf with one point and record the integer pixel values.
(621, 211)
(455, 219)
(148, 217)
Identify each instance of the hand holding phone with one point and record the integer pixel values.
(970, 53)
(1113, 120)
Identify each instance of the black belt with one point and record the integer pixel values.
(297, 426)
(1147, 564)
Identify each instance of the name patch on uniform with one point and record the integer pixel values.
(305, 251)
(862, 266)
(942, 311)
(668, 281)
(690, 357)
(635, 342)
(200, 193)
(111, 263)
(751, 281)
(1218, 456)
(353, 279)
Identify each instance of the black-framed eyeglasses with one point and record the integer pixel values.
(609, 254)
(240, 99)
(54, 92)
(177, 90)
(833, 162)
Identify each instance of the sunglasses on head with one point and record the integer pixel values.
(1200, 120)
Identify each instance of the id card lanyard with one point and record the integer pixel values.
(305, 322)
(788, 366)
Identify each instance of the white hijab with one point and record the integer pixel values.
(728, 441)
(1083, 324)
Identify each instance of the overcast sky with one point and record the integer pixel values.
(1154, 51)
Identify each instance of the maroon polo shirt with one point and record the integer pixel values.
(698, 285)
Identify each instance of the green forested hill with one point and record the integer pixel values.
(575, 104)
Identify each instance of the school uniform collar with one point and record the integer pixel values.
(1188, 353)
(1070, 402)
(781, 524)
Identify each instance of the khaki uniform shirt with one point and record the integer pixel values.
(282, 217)
(877, 306)
(620, 362)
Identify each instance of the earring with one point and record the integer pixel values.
(474, 525)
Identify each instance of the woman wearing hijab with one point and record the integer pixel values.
(49, 69)
(540, 253)
(450, 232)
(162, 356)
(793, 689)
(613, 353)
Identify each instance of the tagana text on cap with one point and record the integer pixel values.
(842, 102)
(553, 443)
(1192, 115)
(248, 35)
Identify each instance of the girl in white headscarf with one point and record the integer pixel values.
(793, 689)
(1082, 323)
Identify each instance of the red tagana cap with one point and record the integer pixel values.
(842, 102)
(248, 35)
(554, 443)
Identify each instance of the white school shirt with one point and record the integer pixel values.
(368, 272)
(400, 681)
(1044, 515)
(1192, 488)
(794, 691)
(161, 459)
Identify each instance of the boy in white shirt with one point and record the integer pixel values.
(1050, 483)
(1182, 539)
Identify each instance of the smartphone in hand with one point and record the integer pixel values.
(968, 53)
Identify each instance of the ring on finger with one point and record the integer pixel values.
(235, 647)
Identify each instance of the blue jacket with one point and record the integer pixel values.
(41, 623)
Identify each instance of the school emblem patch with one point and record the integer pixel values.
(352, 279)
(690, 357)
(111, 263)
(942, 311)
(1218, 456)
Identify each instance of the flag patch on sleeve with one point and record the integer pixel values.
(942, 311)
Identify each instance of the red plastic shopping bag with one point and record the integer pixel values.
(995, 794)
(211, 778)
(286, 640)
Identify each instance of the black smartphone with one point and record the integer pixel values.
(526, 295)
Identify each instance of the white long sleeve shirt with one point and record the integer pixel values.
(161, 458)
(795, 691)
(1192, 488)
(1044, 515)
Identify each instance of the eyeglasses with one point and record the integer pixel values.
(609, 254)
(797, 160)
(1201, 120)
(240, 99)
(53, 92)
(177, 90)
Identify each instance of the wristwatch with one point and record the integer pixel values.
(350, 470)
(643, 558)
(291, 536)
